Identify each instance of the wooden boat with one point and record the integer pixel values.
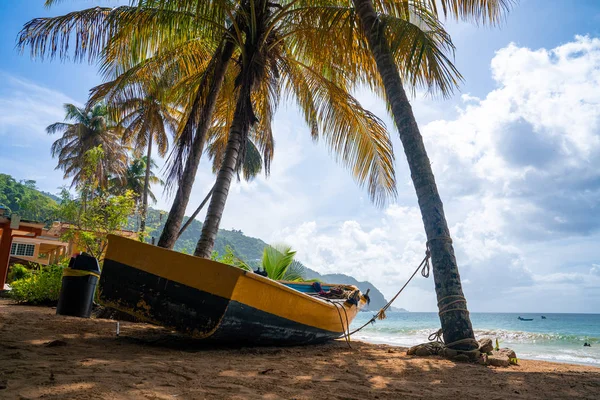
(218, 302)
(525, 319)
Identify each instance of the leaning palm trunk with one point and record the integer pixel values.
(170, 232)
(210, 228)
(454, 316)
(146, 185)
(243, 117)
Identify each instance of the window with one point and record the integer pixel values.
(22, 249)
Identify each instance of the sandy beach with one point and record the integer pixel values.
(53, 357)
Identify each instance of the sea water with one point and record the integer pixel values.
(559, 337)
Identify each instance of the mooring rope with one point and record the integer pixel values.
(346, 328)
(424, 267)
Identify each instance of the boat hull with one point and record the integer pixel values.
(214, 301)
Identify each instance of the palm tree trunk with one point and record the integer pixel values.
(172, 225)
(146, 184)
(242, 118)
(454, 316)
(200, 207)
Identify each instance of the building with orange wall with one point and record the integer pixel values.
(29, 242)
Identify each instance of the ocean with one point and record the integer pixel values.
(559, 337)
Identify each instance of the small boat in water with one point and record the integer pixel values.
(525, 319)
(218, 302)
(543, 317)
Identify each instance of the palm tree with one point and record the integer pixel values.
(146, 116)
(454, 317)
(85, 130)
(135, 179)
(264, 33)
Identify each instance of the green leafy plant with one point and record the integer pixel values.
(18, 272)
(230, 258)
(41, 287)
(96, 213)
(277, 261)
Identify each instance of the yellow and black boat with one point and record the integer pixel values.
(218, 302)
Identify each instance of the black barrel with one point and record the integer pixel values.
(78, 286)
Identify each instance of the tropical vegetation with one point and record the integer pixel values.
(41, 286)
(146, 118)
(23, 198)
(198, 42)
(91, 220)
(277, 263)
(85, 129)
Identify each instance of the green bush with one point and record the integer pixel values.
(41, 287)
(17, 272)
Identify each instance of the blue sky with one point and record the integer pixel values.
(515, 152)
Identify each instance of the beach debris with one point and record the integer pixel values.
(266, 371)
(498, 360)
(424, 350)
(502, 357)
(483, 359)
(486, 345)
(56, 343)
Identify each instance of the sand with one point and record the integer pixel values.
(43, 355)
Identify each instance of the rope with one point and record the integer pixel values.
(344, 329)
(444, 309)
(436, 337)
(424, 267)
(436, 341)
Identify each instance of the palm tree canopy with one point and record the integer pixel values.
(133, 179)
(356, 137)
(85, 129)
(142, 110)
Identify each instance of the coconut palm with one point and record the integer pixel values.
(135, 178)
(265, 33)
(146, 117)
(454, 317)
(86, 129)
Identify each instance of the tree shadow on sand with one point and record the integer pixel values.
(150, 362)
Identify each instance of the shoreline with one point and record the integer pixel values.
(42, 354)
(374, 341)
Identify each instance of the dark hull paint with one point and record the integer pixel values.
(198, 313)
(244, 324)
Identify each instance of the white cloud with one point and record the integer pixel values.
(25, 110)
(518, 170)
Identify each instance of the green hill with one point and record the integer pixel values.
(24, 198)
